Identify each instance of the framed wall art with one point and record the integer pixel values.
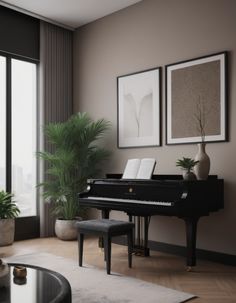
(196, 94)
(138, 97)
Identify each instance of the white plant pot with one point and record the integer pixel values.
(66, 229)
(7, 231)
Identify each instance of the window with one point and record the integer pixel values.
(18, 112)
(24, 135)
(2, 123)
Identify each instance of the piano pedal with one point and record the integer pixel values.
(138, 253)
(189, 268)
(141, 251)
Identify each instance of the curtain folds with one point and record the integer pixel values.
(55, 96)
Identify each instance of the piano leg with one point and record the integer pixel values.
(191, 237)
(105, 213)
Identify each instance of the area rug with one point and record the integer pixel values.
(91, 285)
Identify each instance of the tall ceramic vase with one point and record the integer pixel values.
(202, 169)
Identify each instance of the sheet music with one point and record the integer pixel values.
(131, 169)
(139, 168)
(146, 168)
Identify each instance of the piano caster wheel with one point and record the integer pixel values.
(189, 268)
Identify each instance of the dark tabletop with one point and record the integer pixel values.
(40, 286)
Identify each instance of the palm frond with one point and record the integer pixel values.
(55, 132)
(75, 158)
(8, 207)
(186, 163)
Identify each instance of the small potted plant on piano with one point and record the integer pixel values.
(187, 165)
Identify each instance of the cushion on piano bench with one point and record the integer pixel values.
(105, 226)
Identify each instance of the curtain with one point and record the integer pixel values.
(55, 97)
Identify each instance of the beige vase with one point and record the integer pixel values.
(202, 169)
(66, 229)
(7, 231)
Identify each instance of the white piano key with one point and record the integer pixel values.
(161, 203)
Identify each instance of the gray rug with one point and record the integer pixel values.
(91, 285)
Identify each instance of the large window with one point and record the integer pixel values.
(2, 123)
(24, 135)
(18, 112)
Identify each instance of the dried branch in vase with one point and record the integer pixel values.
(200, 117)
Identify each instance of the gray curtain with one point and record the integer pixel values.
(55, 96)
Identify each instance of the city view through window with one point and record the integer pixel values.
(2, 123)
(23, 134)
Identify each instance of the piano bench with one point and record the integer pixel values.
(106, 229)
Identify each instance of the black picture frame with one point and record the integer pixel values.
(139, 109)
(196, 100)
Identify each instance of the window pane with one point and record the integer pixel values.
(2, 123)
(24, 136)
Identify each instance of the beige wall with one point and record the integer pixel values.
(149, 34)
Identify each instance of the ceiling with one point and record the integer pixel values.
(70, 13)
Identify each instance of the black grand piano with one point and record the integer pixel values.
(167, 195)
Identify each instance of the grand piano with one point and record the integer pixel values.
(166, 195)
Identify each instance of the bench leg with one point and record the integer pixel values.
(130, 247)
(81, 244)
(107, 250)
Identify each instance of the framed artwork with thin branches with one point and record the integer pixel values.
(138, 97)
(196, 98)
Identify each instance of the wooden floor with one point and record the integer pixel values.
(211, 282)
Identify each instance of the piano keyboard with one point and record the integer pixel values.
(160, 203)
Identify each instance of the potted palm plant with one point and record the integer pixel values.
(8, 212)
(75, 157)
(187, 165)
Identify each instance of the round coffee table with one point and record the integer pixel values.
(40, 286)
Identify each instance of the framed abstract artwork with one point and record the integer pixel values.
(138, 98)
(196, 93)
